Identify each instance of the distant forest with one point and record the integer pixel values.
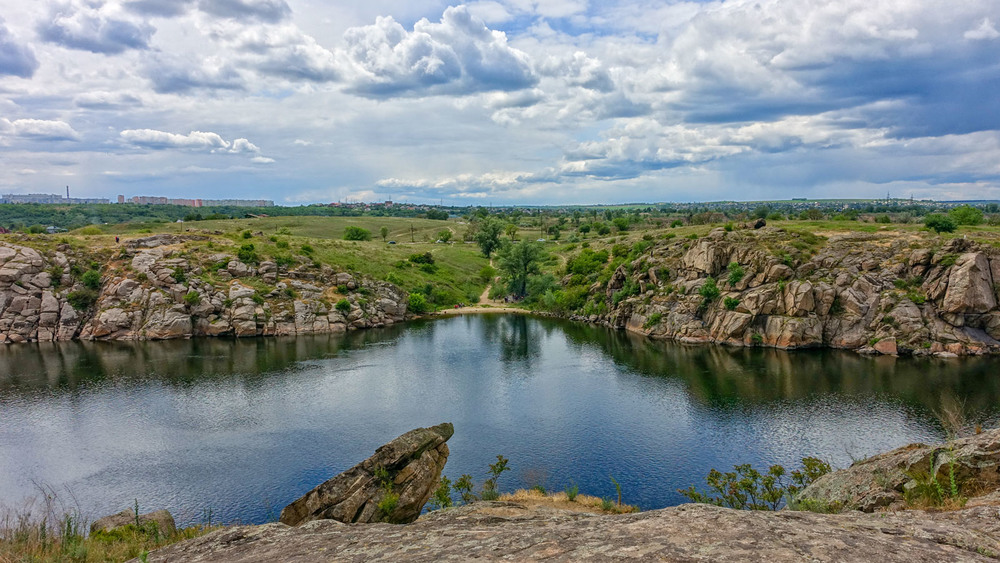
(30, 217)
(23, 216)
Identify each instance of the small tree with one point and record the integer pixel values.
(517, 262)
(488, 235)
(966, 215)
(940, 223)
(444, 236)
(357, 233)
(384, 231)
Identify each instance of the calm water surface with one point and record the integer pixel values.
(243, 427)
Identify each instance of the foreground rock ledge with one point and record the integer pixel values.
(412, 465)
(693, 532)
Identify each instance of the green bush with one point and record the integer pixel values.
(731, 303)
(425, 258)
(418, 303)
(82, 299)
(652, 320)
(247, 234)
(353, 232)
(746, 488)
(966, 215)
(571, 492)
(940, 223)
(192, 298)
(247, 253)
(736, 273)
(91, 279)
(344, 306)
(441, 498)
(709, 290)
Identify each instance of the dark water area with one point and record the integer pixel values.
(242, 427)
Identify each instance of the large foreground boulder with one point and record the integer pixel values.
(694, 532)
(882, 481)
(391, 486)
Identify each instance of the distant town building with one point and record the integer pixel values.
(121, 199)
(49, 198)
(157, 200)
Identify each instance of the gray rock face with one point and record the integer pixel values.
(163, 519)
(412, 465)
(851, 290)
(150, 298)
(880, 481)
(693, 532)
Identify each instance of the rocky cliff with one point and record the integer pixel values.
(152, 289)
(887, 293)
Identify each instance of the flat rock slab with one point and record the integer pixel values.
(692, 532)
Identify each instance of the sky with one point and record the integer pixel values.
(501, 102)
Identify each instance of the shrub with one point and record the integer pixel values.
(735, 273)
(966, 215)
(571, 492)
(883, 218)
(247, 254)
(441, 498)
(192, 298)
(709, 290)
(731, 303)
(82, 299)
(281, 243)
(652, 320)
(388, 503)
(247, 234)
(757, 339)
(418, 303)
(940, 223)
(257, 298)
(746, 488)
(178, 275)
(676, 223)
(425, 258)
(91, 279)
(307, 249)
(464, 488)
(353, 232)
(490, 490)
(487, 273)
(344, 306)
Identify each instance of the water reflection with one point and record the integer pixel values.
(239, 426)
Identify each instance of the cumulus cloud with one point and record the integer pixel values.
(98, 27)
(39, 129)
(458, 55)
(16, 59)
(285, 52)
(159, 140)
(271, 11)
(180, 75)
(197, 141)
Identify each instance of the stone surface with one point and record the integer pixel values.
(413, 464)
(880, 481)
(693, 532)
(163, 519)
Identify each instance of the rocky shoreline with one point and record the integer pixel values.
(875, 293)
(338, 526)
(152, 290)
(884, 293)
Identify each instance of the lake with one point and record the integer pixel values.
(236, 429)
